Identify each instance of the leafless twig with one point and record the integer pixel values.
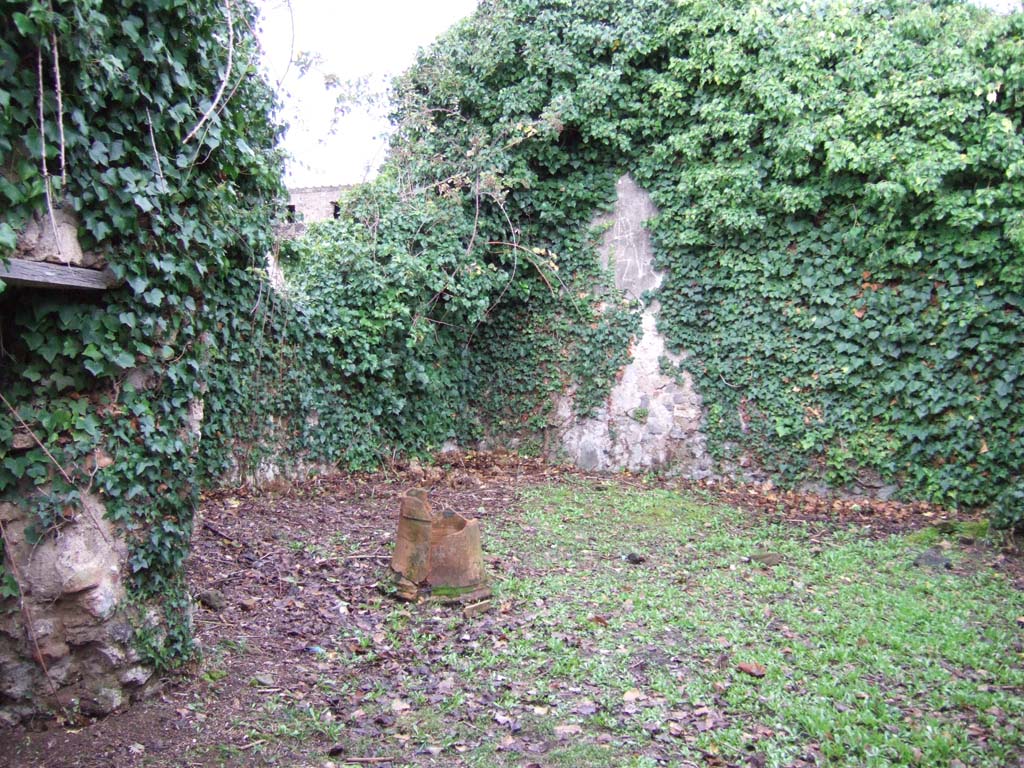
(60, 110)
(731, 386)
(152, 141)
(42, 156)
(529, 258)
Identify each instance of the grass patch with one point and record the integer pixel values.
(628, 621)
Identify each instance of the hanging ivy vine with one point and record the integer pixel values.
(150, 124)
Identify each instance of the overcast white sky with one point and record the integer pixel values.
(356, 38)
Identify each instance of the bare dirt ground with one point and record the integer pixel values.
(298, 570)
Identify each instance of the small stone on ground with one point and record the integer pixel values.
(933, 558)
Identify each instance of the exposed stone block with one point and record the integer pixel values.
(64, 671)
(136, 676)
(54, 241)
(102, 700)
(9, 512)
(84, 555)
(102, 600)
(71, 587)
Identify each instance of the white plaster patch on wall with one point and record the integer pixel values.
(626, 245)
(651, 420)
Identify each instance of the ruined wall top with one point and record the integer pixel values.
(313, 204)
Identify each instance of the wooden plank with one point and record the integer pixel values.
(40, 274)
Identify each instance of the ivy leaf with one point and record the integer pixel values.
(8, 237)
(131, 26)
(153, 297)
(26, 26)
(124, 360)
(98, 153)
(17, 465)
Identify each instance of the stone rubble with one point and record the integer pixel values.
(71, 590)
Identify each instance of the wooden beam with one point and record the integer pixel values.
(41, 274)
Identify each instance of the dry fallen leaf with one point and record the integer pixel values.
(633, 694)
(565, 731)
(752, 668)
(585, 707)
(397, 705)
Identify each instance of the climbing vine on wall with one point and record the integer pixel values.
(840, 194)
(841, 224)
(149, 123)
(376, 346)
(365, 354)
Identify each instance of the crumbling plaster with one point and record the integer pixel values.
(652, 418)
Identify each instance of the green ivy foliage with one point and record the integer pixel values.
(379, 342)
(459, 292)
(520, 108)
(151, 124)
(840, 196)
(841, 228)
(839, 189)
(366, 353)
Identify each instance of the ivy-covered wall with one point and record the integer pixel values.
(149, 123)
(841, 218)
(840, 196)
(839, 189)
(373, 351)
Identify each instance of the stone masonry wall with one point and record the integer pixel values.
(308, 205)
(314, 203)
(651, 420)
(67, 633)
